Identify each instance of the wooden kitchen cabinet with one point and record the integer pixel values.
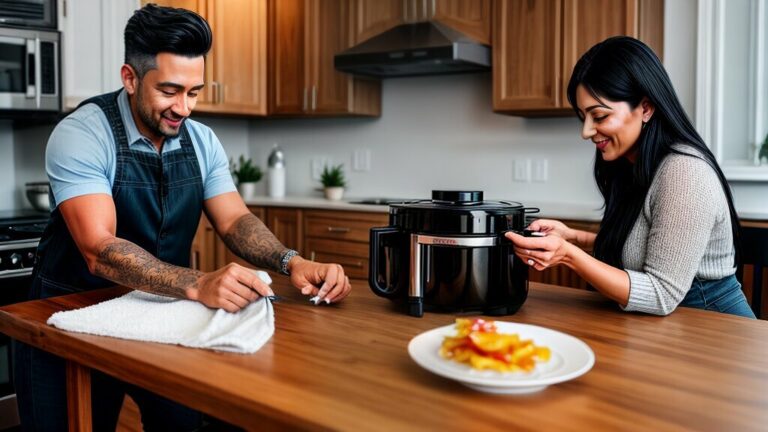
(92, 47)
(304, 35)
(341, 237)
(536, 43)
(236, 66)
(471, 17)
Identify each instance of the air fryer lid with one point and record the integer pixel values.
(457, 213)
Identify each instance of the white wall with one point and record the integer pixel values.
(435, 132)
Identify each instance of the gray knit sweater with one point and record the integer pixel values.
(682, 232)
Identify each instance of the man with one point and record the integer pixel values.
(130, 174)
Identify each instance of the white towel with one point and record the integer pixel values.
(148, 317)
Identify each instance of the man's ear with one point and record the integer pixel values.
(648, 109)
(130, 79)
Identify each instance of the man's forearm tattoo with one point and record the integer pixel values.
(128, 264)
(252, 241)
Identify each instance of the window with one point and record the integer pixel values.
(732, 84)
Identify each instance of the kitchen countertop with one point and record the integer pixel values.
(557, 210)
(346, 367)
(561, 210)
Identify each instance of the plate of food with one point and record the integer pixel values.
(501, 357)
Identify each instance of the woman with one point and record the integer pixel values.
(669, 233)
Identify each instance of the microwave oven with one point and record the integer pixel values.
(28, 13)
(29, 70)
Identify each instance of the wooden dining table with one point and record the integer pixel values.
(346, 367)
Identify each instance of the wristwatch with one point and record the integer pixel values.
(287, 255)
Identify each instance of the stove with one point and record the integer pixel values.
(20, 233)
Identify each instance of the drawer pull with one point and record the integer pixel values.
(338, 229)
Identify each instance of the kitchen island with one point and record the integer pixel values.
(346, 367)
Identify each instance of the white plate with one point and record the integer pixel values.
(570, 358)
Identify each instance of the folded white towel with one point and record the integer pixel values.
(148, 317)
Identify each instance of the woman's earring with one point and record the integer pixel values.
(644, 124)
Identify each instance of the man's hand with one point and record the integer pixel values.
(327, 281)
(231, 288)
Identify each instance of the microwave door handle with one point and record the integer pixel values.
(38, 73)
(31, 69)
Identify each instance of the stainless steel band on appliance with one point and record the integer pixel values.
(418, 241)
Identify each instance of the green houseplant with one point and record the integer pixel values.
(333, 182)
(764, 150)
(246, 175)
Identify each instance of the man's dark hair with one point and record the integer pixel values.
(154, 29)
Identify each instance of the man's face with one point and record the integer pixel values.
(165, 96)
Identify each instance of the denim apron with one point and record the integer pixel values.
(158, 201)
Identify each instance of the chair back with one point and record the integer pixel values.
(754, 252)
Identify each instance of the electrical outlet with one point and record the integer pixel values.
(540, 170)
(316, 166)
(521, 170)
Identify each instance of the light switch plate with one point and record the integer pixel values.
(540, 170)
(521, 170)
(361, 160)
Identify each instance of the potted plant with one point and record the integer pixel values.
(333, 182)
(246, 175)
(764, 151)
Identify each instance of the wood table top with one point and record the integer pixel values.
(346, 367)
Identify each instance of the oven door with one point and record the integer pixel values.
(29, 70)
(12, 290)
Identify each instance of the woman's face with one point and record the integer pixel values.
(614, 127)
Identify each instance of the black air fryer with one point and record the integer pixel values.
(449, 254)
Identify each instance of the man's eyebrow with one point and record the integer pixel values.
(178, 86)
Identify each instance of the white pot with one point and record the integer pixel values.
(247, 190)
(334, 193)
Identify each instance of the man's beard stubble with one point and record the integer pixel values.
(146, 117)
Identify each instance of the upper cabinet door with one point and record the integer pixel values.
(330, 89)
(239, 55)
(288, 92)
(471, 17)
(587, 22)
(536, 44)
(371, 17)
(527, 54)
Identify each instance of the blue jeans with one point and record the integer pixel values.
(721, 295)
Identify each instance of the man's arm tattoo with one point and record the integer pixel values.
(252, 241)
(128, 264)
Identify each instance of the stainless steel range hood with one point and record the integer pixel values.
(422, 48)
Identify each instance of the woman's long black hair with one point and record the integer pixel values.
(624, 69)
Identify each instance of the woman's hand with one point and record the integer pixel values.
(551, 226)
(541, 252)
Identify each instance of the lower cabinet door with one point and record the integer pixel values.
(352, 256)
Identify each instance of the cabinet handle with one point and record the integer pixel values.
(221, 93)
(314, 98)
(304, 103)
(195, 264)
(425, 7)
(312, 256)
(405, 11)
(338, 229)
(358, 264)
(434, 10)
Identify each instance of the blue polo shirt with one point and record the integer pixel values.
(81, 156)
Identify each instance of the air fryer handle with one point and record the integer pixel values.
(378, 239)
